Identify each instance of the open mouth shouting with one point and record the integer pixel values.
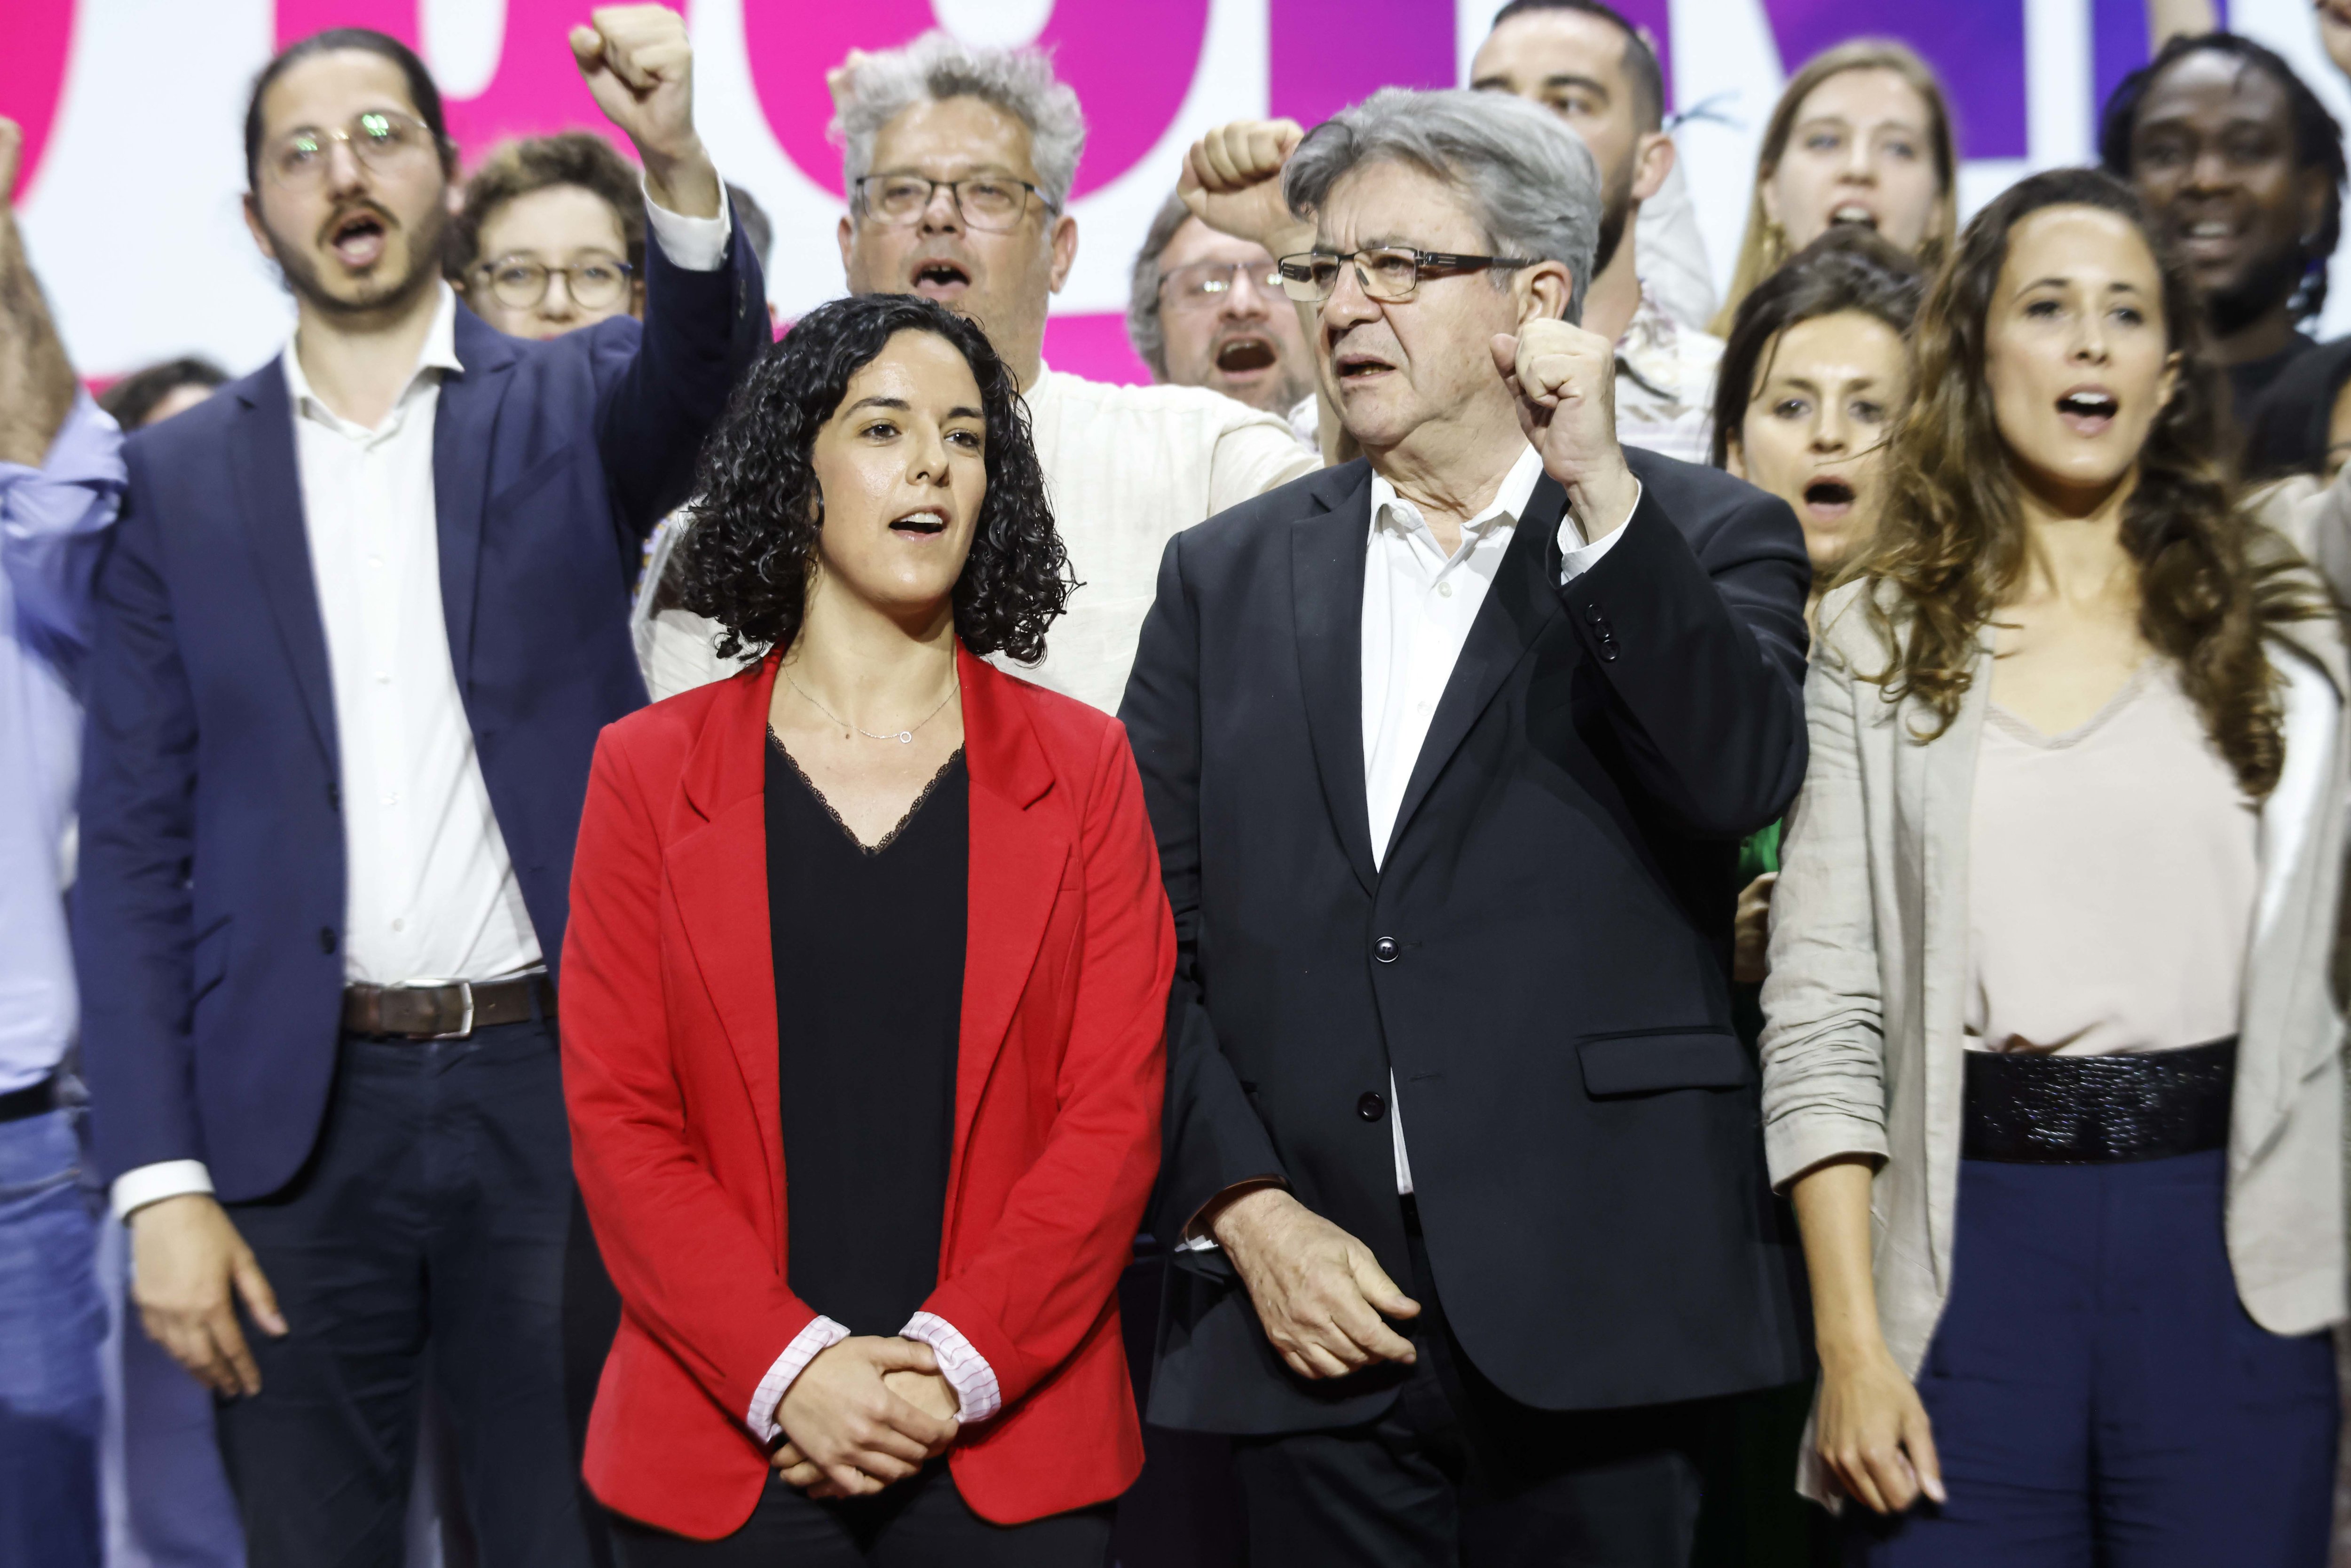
(1856, 213)
(1829, 499)
(936, 278)
(927, 523)
(1246, 354)
(2088, 409)
(357, 237)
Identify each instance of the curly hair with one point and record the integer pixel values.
(517, 168)
(758, 512)
(1951, 545)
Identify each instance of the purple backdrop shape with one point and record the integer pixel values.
(1977, 47)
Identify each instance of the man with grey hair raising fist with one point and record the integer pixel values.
(1448, 751)
(958, 162)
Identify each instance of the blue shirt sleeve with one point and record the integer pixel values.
(53, 523)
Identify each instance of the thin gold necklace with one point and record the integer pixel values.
(902, 737)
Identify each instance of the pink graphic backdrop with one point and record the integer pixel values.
(1134, 64)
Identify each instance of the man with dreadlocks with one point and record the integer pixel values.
(2243, 167)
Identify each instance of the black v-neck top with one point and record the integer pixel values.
(869, 947)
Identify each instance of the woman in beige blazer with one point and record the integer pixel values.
(2050, 1063)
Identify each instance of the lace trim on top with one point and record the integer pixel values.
(886, 839)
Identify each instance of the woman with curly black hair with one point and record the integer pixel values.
(865, 991)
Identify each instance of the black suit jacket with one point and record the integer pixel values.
(1542, 959)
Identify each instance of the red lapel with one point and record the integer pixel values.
(719, 874)
(1017, 855)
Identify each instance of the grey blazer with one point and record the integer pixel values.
(1862, 1041)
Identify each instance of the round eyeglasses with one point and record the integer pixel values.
(1390, 273)
(992, 202)
(1205, 285)
(595, 282)
(384, 140)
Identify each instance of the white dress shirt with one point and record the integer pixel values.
(1127, 469)
(1418, 606)
(432, 896)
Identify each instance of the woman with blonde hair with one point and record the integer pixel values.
(1862, 136)
(2051, 1066)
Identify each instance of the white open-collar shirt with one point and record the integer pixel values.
(432, 894)
(1418, 606)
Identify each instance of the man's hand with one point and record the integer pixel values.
(851, 1428)
(185, 1260)
(929, 1391)
(1318, 1290)
(1565, 381)
(12, 152)
(639, 64)
(1232, 182)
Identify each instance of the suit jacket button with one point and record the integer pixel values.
(1385, 949)
(325, 939)
(1370, 1107)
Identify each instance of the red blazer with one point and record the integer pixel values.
(670, 1074)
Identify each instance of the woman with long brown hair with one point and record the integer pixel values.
(1862, 136)
(2050, 1063)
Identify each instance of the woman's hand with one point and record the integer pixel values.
(1750, 931)
(1873, 1433)
(851, 1432)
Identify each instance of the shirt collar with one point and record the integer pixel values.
(439, 352)
(1510, 503)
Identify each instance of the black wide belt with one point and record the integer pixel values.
(2098, 1110)
(444, 1012)
(33, 1100)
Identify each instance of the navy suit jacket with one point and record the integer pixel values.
(210, 904)
(1541, 959)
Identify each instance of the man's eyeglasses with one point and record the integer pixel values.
(1205, 285)
(595, 282)
(385, 141)
(992, 202)
(1391, 273)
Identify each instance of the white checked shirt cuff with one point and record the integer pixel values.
(1575, 556)
(135, 1189)
(692, 245)
(822, 1334)
(966, 1370)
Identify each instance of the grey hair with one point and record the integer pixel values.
(1530, 181)
(874, 90)
(1143, 328)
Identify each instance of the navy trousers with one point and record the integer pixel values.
(426, 1236)
(2100, 1398)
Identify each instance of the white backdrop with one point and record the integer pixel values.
(134, 220)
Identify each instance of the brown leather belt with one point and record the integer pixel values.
(446, 1012)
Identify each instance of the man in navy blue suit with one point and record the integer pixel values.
(363, 617)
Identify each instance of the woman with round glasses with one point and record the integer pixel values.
(551, 237)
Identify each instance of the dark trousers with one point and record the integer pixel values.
(921, 1523)
(1458, 1473)
(2099, 1394)
(432, 1216)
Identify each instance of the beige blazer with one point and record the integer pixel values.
(1862, 1040)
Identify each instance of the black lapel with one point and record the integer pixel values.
(269, 487)
(1521, 600)
(463, 426)
(1326, 585)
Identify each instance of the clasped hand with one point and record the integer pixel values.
(1321, 1295)
(862, 1414)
